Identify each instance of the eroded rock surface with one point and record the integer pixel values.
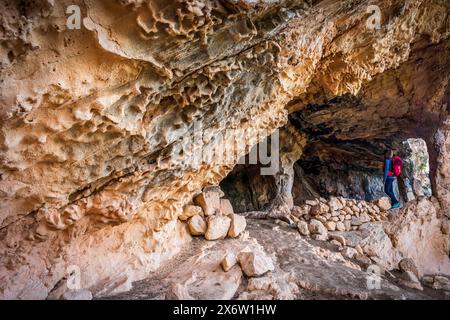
(94, 167)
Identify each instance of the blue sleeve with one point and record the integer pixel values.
(386, 168)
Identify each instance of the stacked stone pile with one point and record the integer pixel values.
(317, 217)
(212, 217)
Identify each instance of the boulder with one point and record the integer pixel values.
(225, 207)
(255, 263)
(209, 201)
(189, 211)
(238, 224)
(218, 227)
(376, 243)
(303, 228)
(197, 225)
(383, 203)
(317, 227)
(229, 261)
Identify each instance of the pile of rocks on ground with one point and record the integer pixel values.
(317, 217)
(212, 217)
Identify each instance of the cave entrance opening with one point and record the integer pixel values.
(319, 174)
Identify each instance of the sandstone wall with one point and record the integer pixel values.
(92, 171)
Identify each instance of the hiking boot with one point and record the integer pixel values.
(396, 205)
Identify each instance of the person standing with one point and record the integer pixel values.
(392, 169)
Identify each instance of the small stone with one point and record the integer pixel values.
(189, 211)
(320, 237)
(338, 238)
(209, 201)
(383, 203)
(446, 226)
(178, 291)
(197, 225)
(330, 225)
(303, 228)
(363, 218)
(317, 227)
(411, 281)
(408, 264)
(299, 211)
(229, 261)
(238, 224)
(428, 280)
(355, 209)
(359, 249)
(335, 213)
(335, 204)
(312, 202)
(348, 211)
(218, 227)
(81, 294)
(343, 201)
(215, 189)
(441, 283)
(327, 216)
(348, 225)
(335, 219)
(349, 252)
(336, 243)
(348, 217)
(321, 219)
(255, 263)
(340, 226)
(363, 259)
(319, 209)
(225, 207)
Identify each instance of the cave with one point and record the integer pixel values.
(224, 150)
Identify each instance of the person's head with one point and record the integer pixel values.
(389, 153)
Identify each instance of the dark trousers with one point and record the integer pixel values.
(389, 189)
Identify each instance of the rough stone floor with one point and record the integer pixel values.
(304, 269)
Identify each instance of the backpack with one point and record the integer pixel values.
(397, 163)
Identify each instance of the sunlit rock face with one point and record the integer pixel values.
(99, 124)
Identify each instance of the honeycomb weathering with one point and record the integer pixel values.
(93, 172)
